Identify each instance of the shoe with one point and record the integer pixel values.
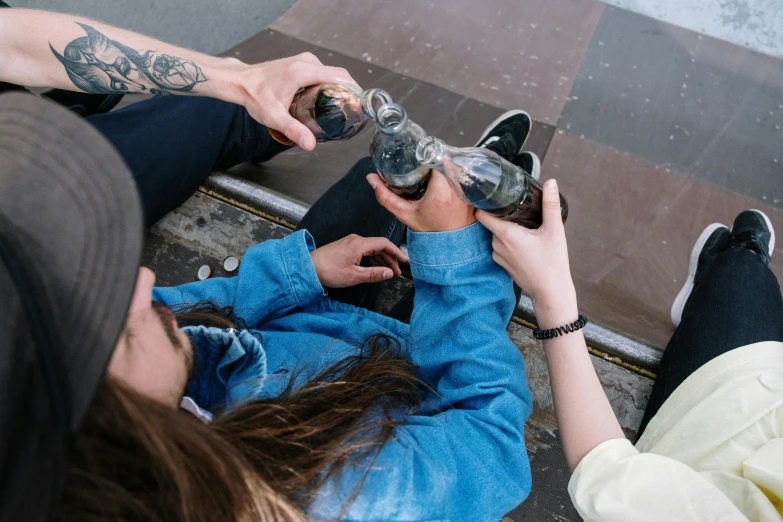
(528, 162)
(507, 134)
(753, 230)
(715, 239)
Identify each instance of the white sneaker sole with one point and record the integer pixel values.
(502, 117)
(771, 245)
(536, 174)
(679, 302)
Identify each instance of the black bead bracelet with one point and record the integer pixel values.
(580, 323)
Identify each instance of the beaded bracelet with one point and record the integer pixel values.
(580, 323)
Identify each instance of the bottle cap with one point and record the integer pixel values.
(203, 272)
(230, 264)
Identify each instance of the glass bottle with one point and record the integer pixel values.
(333, 111)
(488, 182)
(393, 150)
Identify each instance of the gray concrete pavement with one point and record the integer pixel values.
(755, 24)
(203, 25)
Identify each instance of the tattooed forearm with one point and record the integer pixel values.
(99, 65)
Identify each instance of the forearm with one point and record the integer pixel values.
(584, 415)
(43, 49)
(275, 277)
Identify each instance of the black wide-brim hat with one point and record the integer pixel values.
(70, 247)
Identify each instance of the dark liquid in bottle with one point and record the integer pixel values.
(505, 190)
(529, 212)
(413, 191)
(331, 112)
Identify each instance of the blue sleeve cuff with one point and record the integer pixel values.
(449, 248)
(298, 265)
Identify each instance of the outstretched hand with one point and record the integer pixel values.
(537, 260)
(269, 89)
(338, 264)
(440, 208)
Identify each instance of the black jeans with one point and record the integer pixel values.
(172, 143)
(736, 301)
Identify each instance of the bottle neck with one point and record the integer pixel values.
(431, 152)
(391, 119)
(372, 100)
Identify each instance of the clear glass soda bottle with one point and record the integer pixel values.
(334, 111)
(393, 150)
(488, 182)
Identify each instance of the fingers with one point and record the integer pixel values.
(377, 245)
(384, 259)
(551, 206)
(281, 120)
(308, 73)
(382, 251)
(497, 226)
(403, 209)
(371, 274)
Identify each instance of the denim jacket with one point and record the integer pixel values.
(461, 455)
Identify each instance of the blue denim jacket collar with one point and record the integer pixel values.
(229, 367)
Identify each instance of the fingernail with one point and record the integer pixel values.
(551, 186)
(371, 182)
(387, 274)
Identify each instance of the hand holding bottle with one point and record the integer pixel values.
(267, 89)
(487, 181)
(393, 151)
(537, 260)
(439, 210)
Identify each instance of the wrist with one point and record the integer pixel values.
(556, 308)
(225, 80)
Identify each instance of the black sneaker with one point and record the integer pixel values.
(715, 239)
(507, 134)
(528, 162)
(753, 230)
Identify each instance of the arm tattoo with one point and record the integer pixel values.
(97, 64)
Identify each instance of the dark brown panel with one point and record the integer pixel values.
(306, 175)
(631, 228)
(507, 53)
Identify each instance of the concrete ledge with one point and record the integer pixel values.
(602, 341)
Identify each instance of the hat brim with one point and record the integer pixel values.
(70, 211)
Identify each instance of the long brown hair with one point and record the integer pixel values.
(135, 459)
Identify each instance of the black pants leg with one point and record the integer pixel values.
(735, 302)
(350, 207)
(172, 143)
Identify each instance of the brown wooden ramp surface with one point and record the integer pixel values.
(205, 231)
